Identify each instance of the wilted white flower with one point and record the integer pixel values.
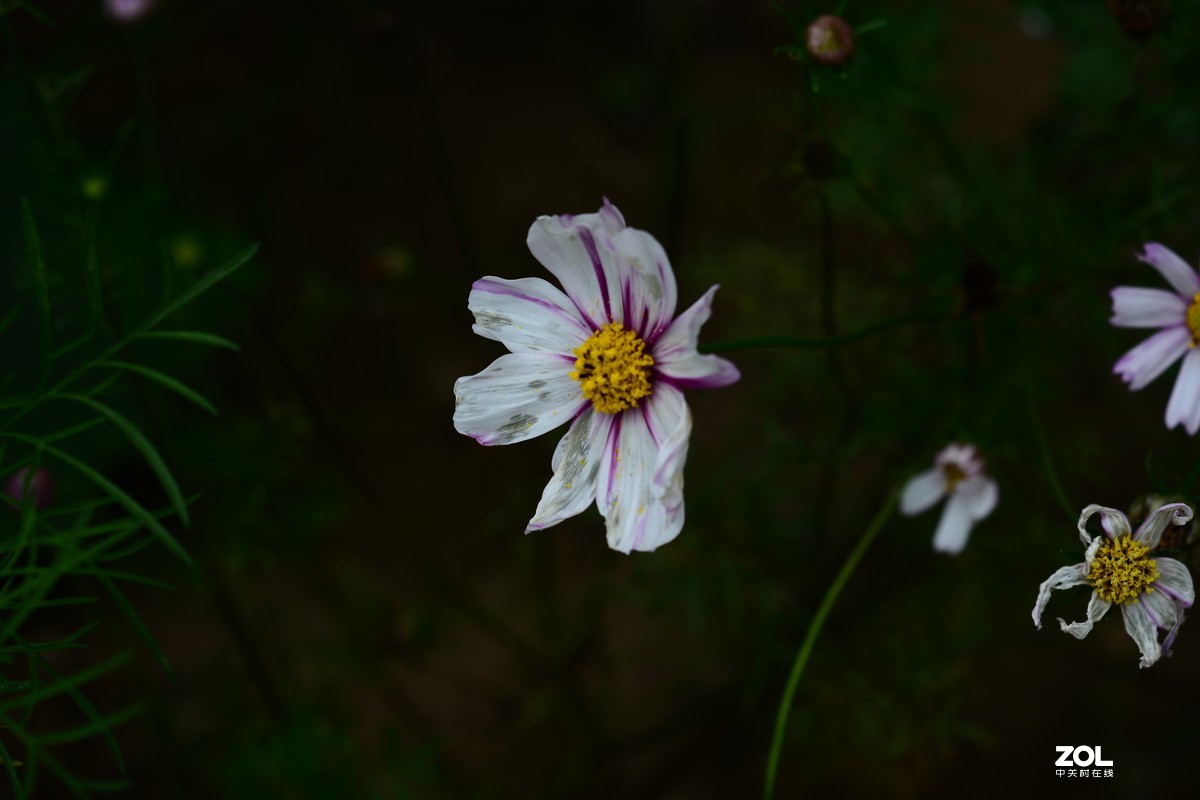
(1153, 593)
(609, 357)
(1177, 313)
(958, 473)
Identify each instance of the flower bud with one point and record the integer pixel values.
(830, 40)
(1139, 18)
(38, 487)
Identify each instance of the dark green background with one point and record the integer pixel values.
(994, 165)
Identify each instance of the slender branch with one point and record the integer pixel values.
(802, 342)
(810, 639)
(1047, 463)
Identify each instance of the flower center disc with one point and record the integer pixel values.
(1121, 572)
(1193, 319)
(613, 368)
(954, 476)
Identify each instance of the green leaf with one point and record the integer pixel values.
(114, 491)
(166, 381)
(65, 685)
(204, 284)
(143, 446)
(196, 337)
(10, 316)
(140, 627)
(95, 308)
(33, 251)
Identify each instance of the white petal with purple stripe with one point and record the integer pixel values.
(528, 315)
(676, 357)
(1153, 356)
(640, 487)
(1177, 271)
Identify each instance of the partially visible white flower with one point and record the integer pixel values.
(959, 474)
(1177, 315)
(1153, 593)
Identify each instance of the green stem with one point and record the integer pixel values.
(1047, 463)
(810, 639)
(757, 342)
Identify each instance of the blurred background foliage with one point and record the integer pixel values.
(363, 617)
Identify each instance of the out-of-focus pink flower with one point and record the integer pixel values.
(39, 486)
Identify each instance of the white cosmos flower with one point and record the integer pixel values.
(958, 473)
(608, 356)
(1152, 592)
(1177, 314)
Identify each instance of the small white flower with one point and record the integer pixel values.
(1153, 593)
(1177, 314)
(608, 356)
(959, 474)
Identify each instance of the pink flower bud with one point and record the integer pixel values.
(39, 487)
(830, 40)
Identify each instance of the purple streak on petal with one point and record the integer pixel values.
(1153, 356)
(613, 447)
(1179, 600)
(487, 287)
(664, 321)
(627, 304)
(611, 216)
(589, 244)
(714, 381)
(644, 408)
(1153, 617)
(1170, 640)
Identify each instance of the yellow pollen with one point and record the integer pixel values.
(1121, 572)
(954, 476)
(1193, 319)
(613, 368)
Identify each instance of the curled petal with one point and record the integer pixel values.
(519, 396)
(1063, 578)
(1153, 356)
(676, 357)
(1135, 307)
(1178, 273)
(1096, 609)
(1151, 531)
(1175, 581)
(528, 315)
(1141, 627)
(1184, 405)
(1115, 523)
(922, 491)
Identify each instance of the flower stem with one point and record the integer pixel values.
(1047, 463)
(810, 639)
(758, 342)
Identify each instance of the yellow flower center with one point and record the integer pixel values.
(954, 476)
(613, 368)
(1193, 319)
(1121, 572)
